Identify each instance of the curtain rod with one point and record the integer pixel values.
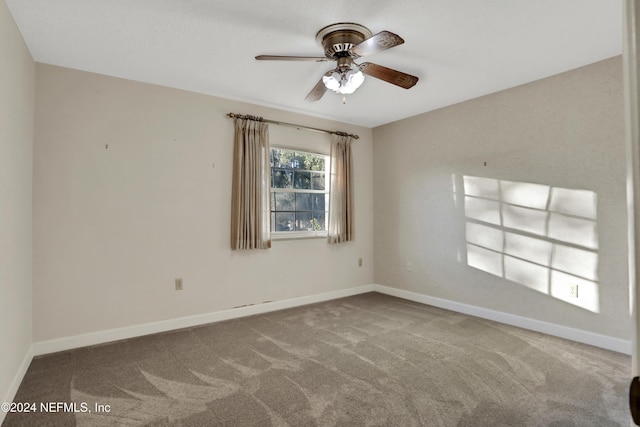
(260, 119)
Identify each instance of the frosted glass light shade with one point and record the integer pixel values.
(344, 84)
(353, 81)
(332, 81)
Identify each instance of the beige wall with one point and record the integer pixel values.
(115, 226)
(17, 85)
(564, 133)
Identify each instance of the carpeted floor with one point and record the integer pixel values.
(364, 360)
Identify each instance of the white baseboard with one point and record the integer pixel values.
(17, 380)
(100, 337)
(585, 337)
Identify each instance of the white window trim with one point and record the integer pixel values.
(295, 235)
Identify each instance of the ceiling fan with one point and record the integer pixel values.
(344, 43)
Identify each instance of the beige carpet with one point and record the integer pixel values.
(368, 360)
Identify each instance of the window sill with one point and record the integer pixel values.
(290, 235)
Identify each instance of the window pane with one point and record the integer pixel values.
(303, 201)
(317, 221)
(281, 178)
(275, 158)
(273, 221)
(317, 163)
(284, 201)
(310, 221)
(303, 221)
(299, 161)
(318, 202)
(284, 221)
(302, 180)
(281, 158)
(317, 181)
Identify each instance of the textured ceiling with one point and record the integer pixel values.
(459, 49)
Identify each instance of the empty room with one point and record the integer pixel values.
(409, 213)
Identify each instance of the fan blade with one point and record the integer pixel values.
(290, 58)
(377, 43)
(394, 77)
(316, 93)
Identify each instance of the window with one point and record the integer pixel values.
(299, 193)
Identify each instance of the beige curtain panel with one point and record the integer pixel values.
(251, 188)
(341, 199)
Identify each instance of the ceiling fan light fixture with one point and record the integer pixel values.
(344, 83)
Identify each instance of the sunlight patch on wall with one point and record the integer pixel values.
(541, 237)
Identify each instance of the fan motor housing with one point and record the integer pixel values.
(338, 39)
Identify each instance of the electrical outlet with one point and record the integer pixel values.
(573, 291)
(178, 284)
(359, 262)
(409, 266)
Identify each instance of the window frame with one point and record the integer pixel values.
(288, 235)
